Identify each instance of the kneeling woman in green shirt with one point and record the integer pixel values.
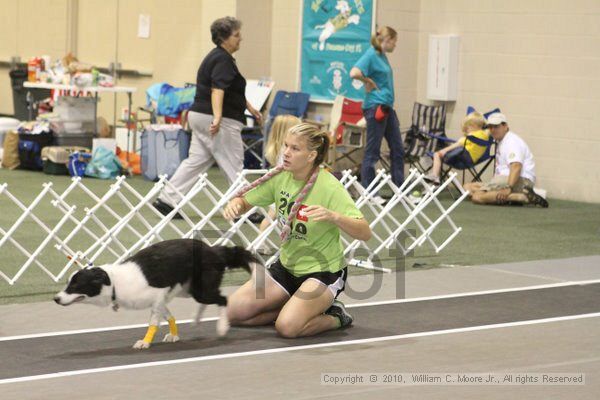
(312, 207)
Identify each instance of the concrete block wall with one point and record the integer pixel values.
(538, 61)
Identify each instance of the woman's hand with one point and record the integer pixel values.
(215, 125)
(370, 85)
(358, 228)
(234, 208)
(356, 73)
(320, 213)
(255, 113)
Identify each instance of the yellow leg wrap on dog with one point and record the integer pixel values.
(150, 333)
(172, 326)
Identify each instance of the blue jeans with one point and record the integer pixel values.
(376, 131)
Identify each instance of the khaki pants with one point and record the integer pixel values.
(499, 182)
(225, 148)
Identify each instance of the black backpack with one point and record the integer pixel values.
(30, 149)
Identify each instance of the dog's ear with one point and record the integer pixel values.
(100, 276)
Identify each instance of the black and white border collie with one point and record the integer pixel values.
(154, 276)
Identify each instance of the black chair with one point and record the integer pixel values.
(481, 165)
(478, 168)
(427, 134)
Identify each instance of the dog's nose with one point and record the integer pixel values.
(57, 299)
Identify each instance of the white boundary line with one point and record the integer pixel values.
(480, 293)
(375, 303)
(93, 330)
(519, 273)
(293, 348)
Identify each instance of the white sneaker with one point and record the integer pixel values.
(435, 180)
(378, 200)
(540, 192)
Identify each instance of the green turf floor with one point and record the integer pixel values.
(490, 234)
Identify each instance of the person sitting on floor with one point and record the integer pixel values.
(463, 153)
(298, 291)
(514, 175)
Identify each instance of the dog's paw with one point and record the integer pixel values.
(140, 345)
(170, 338)
(223, 326)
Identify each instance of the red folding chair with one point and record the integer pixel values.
(347, 133)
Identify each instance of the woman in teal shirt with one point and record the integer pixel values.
(374, 70)
(298, 291)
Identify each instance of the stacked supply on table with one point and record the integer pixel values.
(74, 120)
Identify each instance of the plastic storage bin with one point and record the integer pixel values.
(70, 139)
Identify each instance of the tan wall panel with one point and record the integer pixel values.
(285, 61)
(403, 16)
(178, 46)
(97, 31)
(133, 52)
(211, 10)
(171, 53)
(30, 28)
(254, 55)
(8, 29)
(8, 49)
(97, 41)
(539, 62)
(42, 28)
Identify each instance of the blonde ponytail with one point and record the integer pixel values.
(382, 33)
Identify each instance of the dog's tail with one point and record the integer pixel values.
(238, 257)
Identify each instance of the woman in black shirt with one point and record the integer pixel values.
(216, 117)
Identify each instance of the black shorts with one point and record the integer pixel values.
(335, 281)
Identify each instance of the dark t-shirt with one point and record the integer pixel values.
(218, 70)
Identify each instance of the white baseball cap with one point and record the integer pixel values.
(496, 119)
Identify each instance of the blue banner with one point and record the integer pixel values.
(335, 33)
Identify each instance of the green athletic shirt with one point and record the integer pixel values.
(313, 246)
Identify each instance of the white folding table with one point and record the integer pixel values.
(89, 89)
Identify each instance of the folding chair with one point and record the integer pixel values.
(253, 139)
(348, 132)
(480, 166)
(471, 109)
(293, 103)
(486, 159)
(257, 94)
(425, 135)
